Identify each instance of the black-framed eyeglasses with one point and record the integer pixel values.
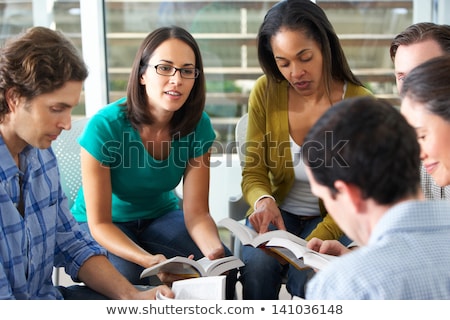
(168, 70)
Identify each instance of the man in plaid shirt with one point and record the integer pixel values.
(41, 78)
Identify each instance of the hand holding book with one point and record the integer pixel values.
(286, 246)
(331, 247)
(299, 256)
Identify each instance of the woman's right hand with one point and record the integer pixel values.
(155, 259)
(266, 212)
(168, 278)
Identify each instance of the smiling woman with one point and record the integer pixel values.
(426, 106)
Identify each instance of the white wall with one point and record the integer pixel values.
(225, 181)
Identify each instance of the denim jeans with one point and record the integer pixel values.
(82, 292)
(263, 275)
(165, 235)
(79, 292)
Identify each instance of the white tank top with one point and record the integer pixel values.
(300, 201)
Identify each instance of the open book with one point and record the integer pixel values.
(189, 268)
(284, 244)
(203, 288)
(298, 255)
(250, 237)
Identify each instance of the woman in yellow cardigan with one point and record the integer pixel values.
(305, 73)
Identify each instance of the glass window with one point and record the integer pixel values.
(16, 16)
(226, 32)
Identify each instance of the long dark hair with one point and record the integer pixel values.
(186, 118)
(303, 16)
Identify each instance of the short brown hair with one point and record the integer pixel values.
(420, 32)
(38, 61)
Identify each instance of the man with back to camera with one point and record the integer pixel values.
(363, 160)
(416, 44)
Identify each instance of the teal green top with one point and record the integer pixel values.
(142, 187)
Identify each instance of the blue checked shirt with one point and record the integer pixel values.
(407, 258)
(430, 189)
(46, 236)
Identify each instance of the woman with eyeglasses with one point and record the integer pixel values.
(136, 150)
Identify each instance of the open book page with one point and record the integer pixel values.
(205, 288)
(182, 266)
(250, 237)
(218, 266)
(288, 256)
(299, 255)
(188, 268)
(297, 249)
(317, 260)
(244, 233)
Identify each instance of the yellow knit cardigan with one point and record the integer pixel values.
(268, 161)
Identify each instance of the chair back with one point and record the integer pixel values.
(237, 206)
(241, 135)
(67, 151)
